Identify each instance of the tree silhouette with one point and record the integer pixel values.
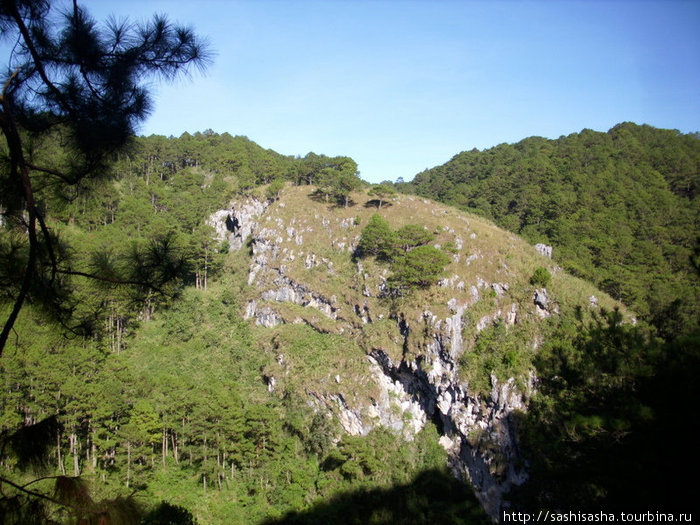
(81, 84)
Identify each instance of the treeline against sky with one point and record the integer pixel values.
(619, 208)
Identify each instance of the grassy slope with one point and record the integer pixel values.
(329, 232)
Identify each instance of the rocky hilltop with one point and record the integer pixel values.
(413, 358)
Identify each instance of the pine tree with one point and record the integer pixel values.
(377, 237)
(70, 78)
(72, 82)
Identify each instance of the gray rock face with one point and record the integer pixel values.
(285, 289)
(395, 408)
(478, 433)
(236, 224)
(543, 249)
(349, 419)
(264, 316)
(541, 300)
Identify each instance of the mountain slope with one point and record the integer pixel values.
(619, 208)
(283, 377)
(459, 353)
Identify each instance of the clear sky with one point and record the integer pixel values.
(401, 86)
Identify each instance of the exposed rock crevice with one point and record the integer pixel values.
(478, 433)
(423, 384)
(236, 224)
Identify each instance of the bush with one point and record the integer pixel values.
(272, 193)
(377, 237)
(411, 236)
(541, 277)
(419, 268)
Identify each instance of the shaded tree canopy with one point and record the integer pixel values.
(70, 78)
(383, 192)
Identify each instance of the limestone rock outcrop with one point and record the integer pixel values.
(234, 225)
(544, 249)
(416, 375)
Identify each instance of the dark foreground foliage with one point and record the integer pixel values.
(612, 426)
(434, 496)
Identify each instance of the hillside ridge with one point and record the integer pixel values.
(303, 270)
(619, 208)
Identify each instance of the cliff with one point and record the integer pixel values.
(406, 359)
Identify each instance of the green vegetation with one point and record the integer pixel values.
(412, 236)
(335, 178)
(541, 277)
(72, 96)
(499, 350)
(419, 268)
(127, 369)
(181, 414)
(413, 264)
(607, 426)
(274, 188)
(619, 208)
(434, 496)
(384, 192)
(377, 238)
(137, 375)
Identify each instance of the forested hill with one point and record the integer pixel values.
(184, 178)
(243, 336)
(619, 208)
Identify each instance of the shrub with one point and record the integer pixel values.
(377, 237)
(273, 191)
(541, 277)
(419, 268)
(411, 236)
(450, 247)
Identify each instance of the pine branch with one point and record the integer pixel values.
(23, 489)
(19, 170)
(112, 280)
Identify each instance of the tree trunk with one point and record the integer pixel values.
(19, 171)
(206, 266)
(120, 330)
(94, 452)
(173, 440)
(73, 440)
(128, 463)
(59, 457)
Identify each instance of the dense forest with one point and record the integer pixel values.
(619, 209)
(173, 405)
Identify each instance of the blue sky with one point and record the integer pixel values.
(402, 86)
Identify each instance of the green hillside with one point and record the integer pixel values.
(306, 355)
(160, 393)
(197, 330)
(619, 209)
